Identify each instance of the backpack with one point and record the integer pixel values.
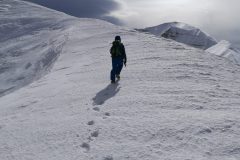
(116, 49)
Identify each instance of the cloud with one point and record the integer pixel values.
(100, 9)
(219, 18)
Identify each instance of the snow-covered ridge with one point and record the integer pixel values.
(173, 102)
(193, 36)
(30, 42)
(182, 33)
(226, 50)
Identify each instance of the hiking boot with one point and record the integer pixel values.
(118, 76)
(113, 82)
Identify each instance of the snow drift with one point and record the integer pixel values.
(183, 33)
(225, 49)
(174, 102)
(30, 43)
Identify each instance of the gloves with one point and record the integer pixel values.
(125, 63)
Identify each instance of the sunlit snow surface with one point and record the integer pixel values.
(29, 43)
(183, 33)
(173, 102)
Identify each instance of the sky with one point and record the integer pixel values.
(219, 18)
(100, 9)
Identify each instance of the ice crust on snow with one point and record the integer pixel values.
(183, 33)
(225, 49)
(174, 102)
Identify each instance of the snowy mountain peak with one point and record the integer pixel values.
(183, 33)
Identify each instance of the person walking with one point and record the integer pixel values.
(119, 58)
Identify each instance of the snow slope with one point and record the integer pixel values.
(225, 49)
(29, 43)
(183, 33)
(173, 102)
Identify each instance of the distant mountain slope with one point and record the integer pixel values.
(183, 33)
(173, 102)
(225, 49)
(190, 35)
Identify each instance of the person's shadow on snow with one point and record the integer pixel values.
(110, 91)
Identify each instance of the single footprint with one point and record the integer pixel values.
(90, 139)
(23, 106)
(85, 146)
(108, 158)
(96, 109)
(90, 123)
(95, 134)
(107, 114)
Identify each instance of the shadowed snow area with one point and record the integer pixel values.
(173, 102)
(105, 94)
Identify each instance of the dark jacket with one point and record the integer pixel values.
(121, 50)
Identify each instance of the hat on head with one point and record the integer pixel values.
(117, 38)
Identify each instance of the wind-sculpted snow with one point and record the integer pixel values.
(30, 41)
(183, 33)
(173, 102)
(225, 49)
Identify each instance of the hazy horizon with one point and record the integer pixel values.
(217, 18)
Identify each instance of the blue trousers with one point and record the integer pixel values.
(117, 65)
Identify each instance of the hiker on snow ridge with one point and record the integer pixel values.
(118, 58)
